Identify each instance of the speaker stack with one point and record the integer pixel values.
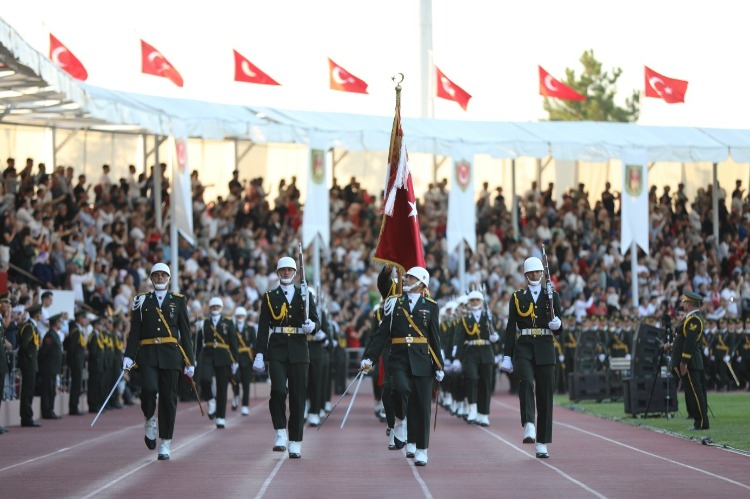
(648, 375)
(586, 382)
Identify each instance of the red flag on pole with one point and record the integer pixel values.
(446, 89)
(399, 243)
(343, 80)
(550, 87)
(246, 71)
(154, 63)
(65, 60)
(662, 87)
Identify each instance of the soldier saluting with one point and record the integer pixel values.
(159, 343)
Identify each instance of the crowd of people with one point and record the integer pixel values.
(99, 239)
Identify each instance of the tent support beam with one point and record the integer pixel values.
(715, 204)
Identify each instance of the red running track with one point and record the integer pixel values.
(589, 457)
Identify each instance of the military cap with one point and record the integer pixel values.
(34, 309)
(690, 297)
(80, 313)
(55, 319)
(5, 298)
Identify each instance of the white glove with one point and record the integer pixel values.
(234, 368)
(365, 365)
(627, 356)
(494, 337)
(326, 343)
(189, 371)
(555, 324)
(319, 336)
(453, 352)
(448, 368)
(726, 359)
(308, 326)
(456, 366)
(498, 359)
(601, 357)
(705, 352)
(739, 359)
(439, 375)
(507, 365)
(127, 363)
(561, 358)
(258, 365)
(712, 358)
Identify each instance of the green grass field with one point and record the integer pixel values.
(729, 418)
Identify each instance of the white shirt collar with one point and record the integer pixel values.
(535, 288)
(288, 289)
(160, 294)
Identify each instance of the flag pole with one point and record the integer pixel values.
(634, 273)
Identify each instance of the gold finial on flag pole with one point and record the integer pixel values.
(398, 84)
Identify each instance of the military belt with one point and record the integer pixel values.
(216, 344)
(476, 343)
(408, 340)
(287, 330)
(536, 331)
(158, 340)
(244, 349)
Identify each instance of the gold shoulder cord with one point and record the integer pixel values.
(166, 325)
(474, 330)
(429, 347)
(529, 312)
(282, 313)
(218, 338)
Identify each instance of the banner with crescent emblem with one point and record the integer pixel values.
(315, 218)
(634, 200)
(461, 207)
(182, 189)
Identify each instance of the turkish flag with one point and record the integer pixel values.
(399, 243)
(65, 60)
(446, 89)
(662, 87)
(246, 71)
(550, 87)
(343, 80)
(154, 63)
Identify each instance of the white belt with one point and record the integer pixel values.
(287, 330)
(536, 331)
(477, 343)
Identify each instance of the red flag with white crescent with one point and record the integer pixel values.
(343, 80)
(64, 59)
(248, 72)
(446, 89)
(400, 242)
(551, 87)
(154, 63)
(671, 90)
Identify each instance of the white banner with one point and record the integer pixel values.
(634, 200)
(462, 218)
(182, 190)
(316, 218)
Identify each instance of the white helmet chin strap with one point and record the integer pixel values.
(534, 283)
(215, 313)
(477, 308)
(161, 287)
(287, 282)
(409, 288)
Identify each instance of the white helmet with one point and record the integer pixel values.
(286, 262)
(462, 300)
(240, 312)
(161, 267)
(476, 295)
(532, 264)
(451, 305)
(215, 302)
(420, 274)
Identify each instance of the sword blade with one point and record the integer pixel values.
(354, 395)
(108, 397)
(339, 400)
(731, 370)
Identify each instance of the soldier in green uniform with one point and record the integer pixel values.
(50, 358)
(283, 335)
(4, 346)
(318, 365)
(245, 355)
(75, 354)
(687, 361)
(96, 389)
(28, 348)
(411, 323)
(531, 324)
(217, 354)
(159, 343)
(476, 358)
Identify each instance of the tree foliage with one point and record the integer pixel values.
(599, 88)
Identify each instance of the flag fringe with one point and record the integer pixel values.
(402, 173)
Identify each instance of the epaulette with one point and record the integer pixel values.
(430, 300)
(145, 293)
(178, 295)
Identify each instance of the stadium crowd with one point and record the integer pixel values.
(98, 238)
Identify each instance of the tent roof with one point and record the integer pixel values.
(35, 92)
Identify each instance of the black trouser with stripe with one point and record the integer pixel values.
(222, 373)
(536, 388)
(294, 376)
(164, 383)
(415, 395)
(695, 398)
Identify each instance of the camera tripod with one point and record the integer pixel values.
(667, 322)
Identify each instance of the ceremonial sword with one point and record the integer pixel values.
(110, 394)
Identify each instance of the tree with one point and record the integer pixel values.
(599, 88)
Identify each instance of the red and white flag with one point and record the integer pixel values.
(446, 89)
(343, 80)
(154, 63)
(550, 87)
(662, 87)
(65, 60)
(248, 72)
(400, 242)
